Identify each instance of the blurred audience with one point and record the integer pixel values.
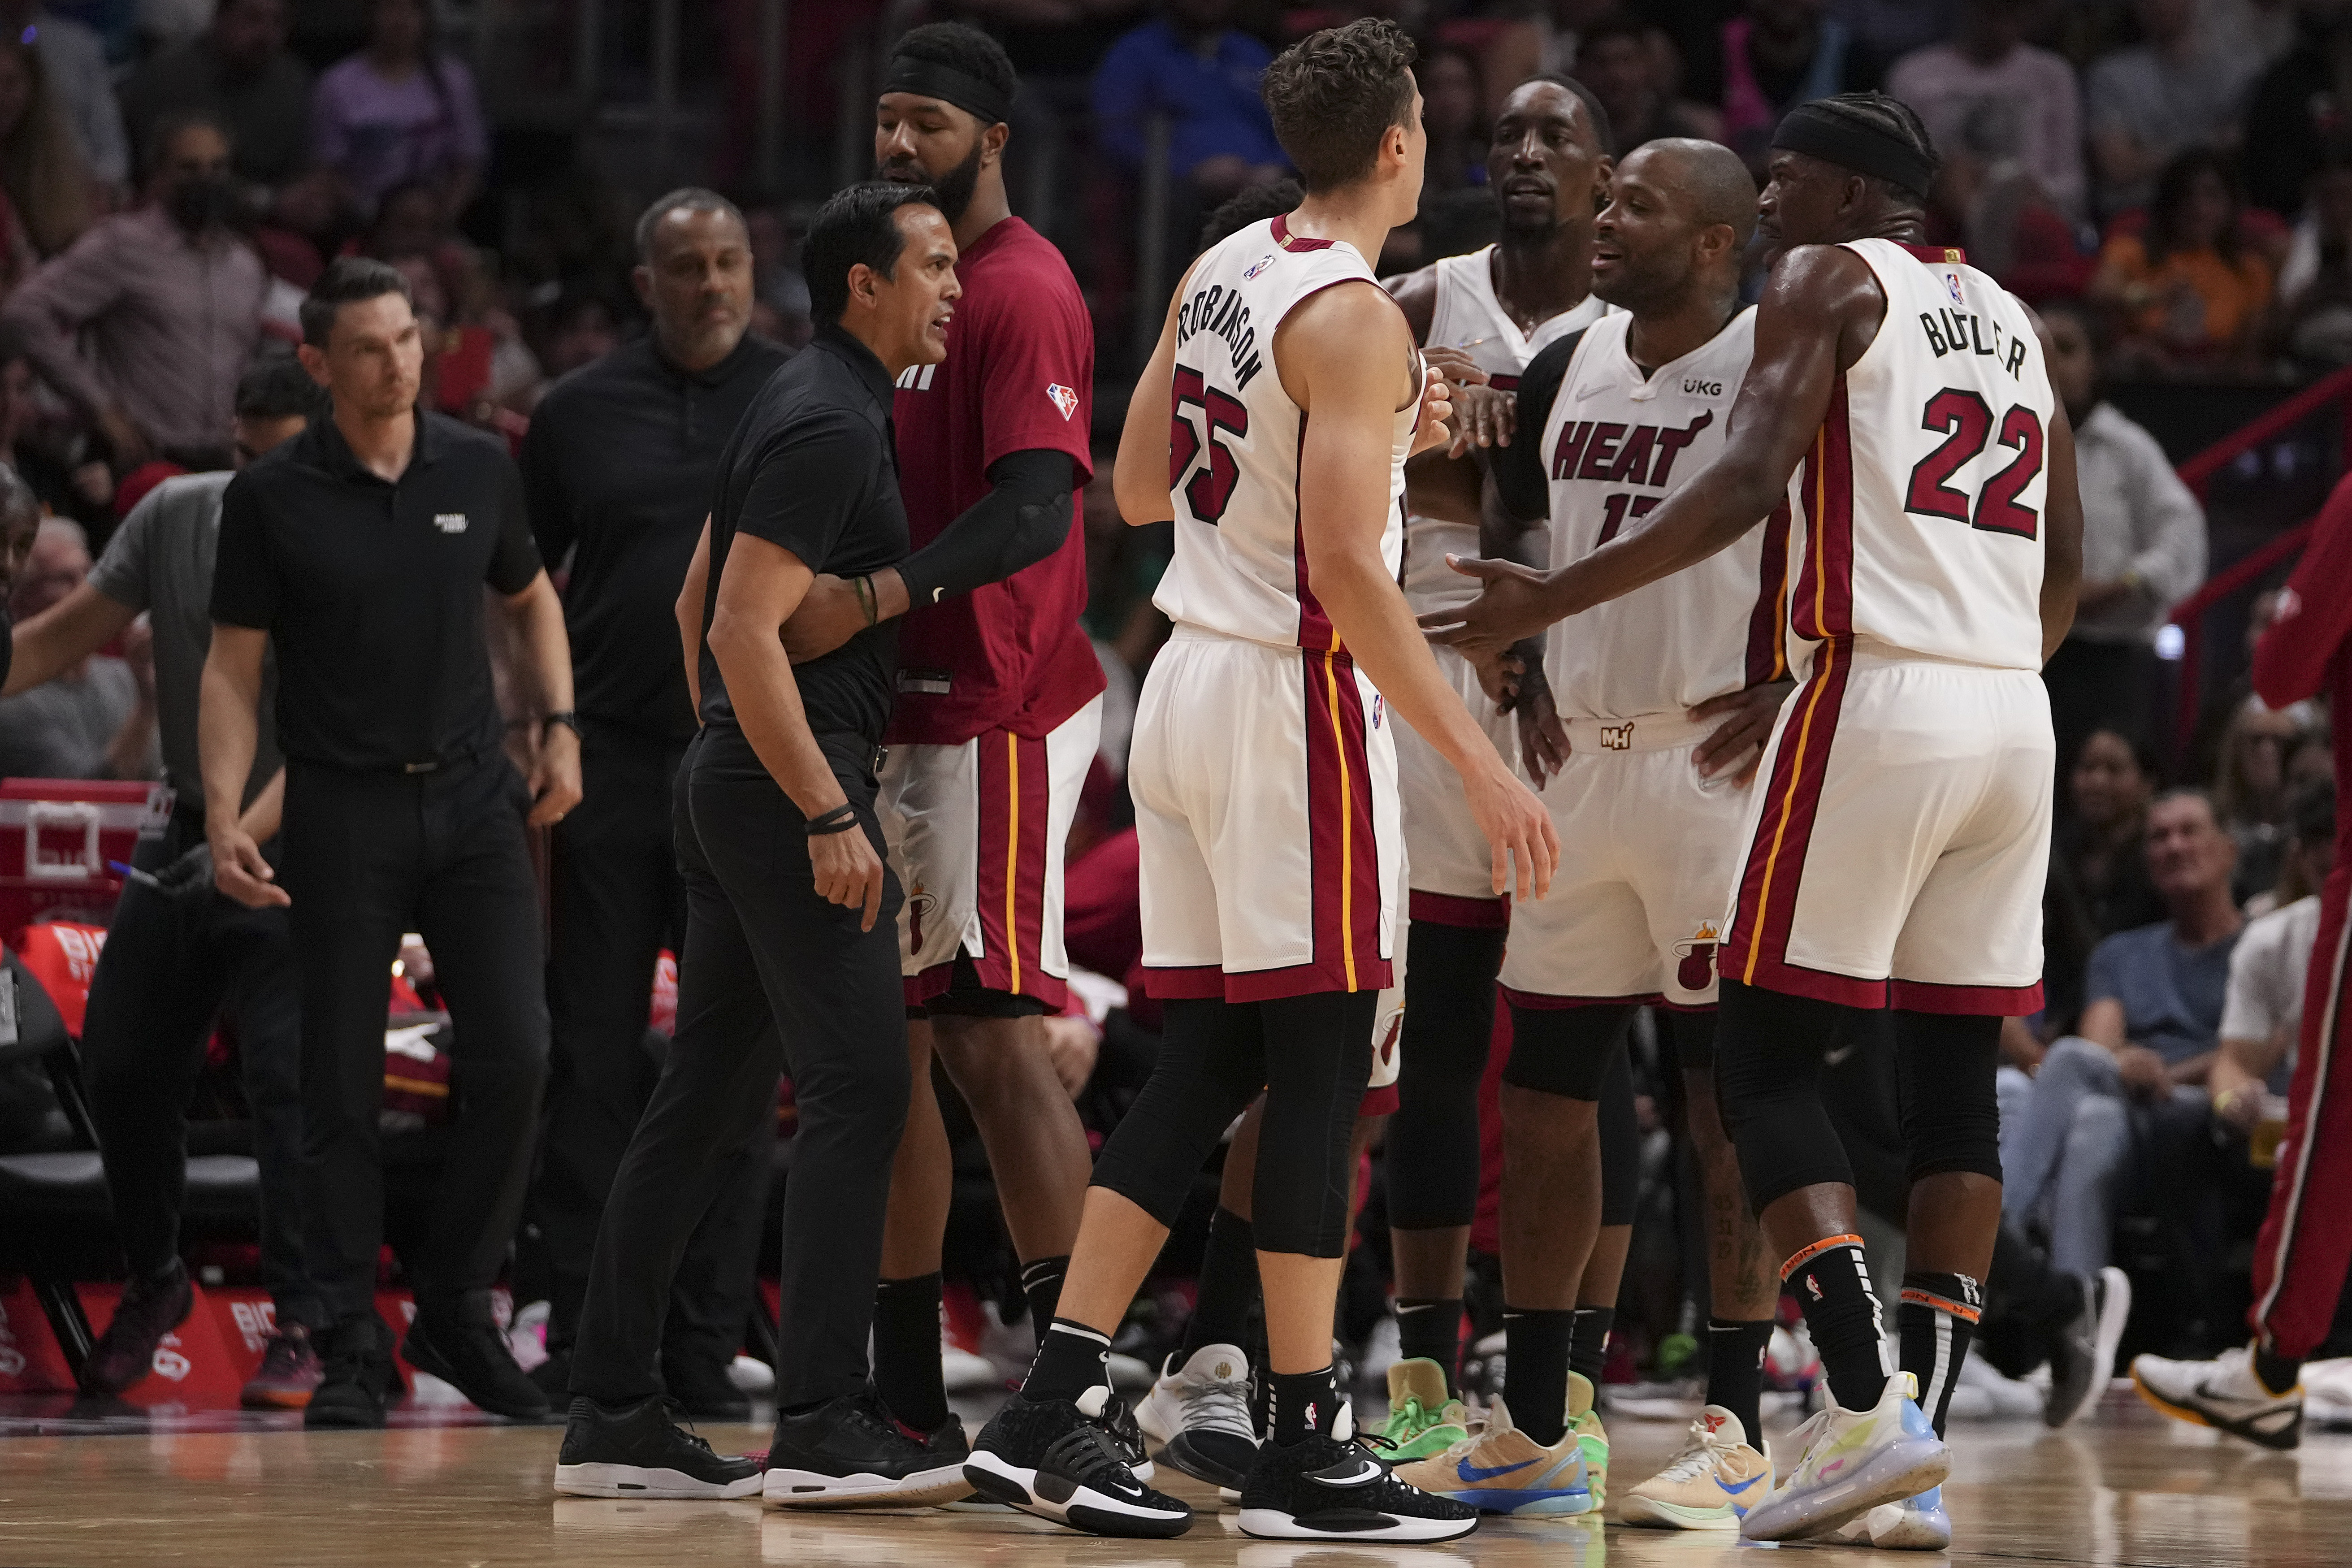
(2002, 111)
(2170, 92)
(51, 194)
(1454, 114)
(1192, 64)
(2189, 292)
(401, 111)
(2100, 843)
(2151, 1021)
(2251, 793)
(1632, 68)
(96, 721)
(168, 298)
(2296, 107)
(2315, 282)
(1778, 54)
(240, 72)
(2143, 545)
(74, 61)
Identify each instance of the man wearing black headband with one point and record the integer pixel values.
(1897, 404)
(999, 704)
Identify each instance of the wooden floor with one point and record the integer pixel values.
(2123, 1488)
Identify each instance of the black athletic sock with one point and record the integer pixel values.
(907, 1372)
(1735, 1371)
(1041, 1282)
(1221, 1313)
(1843, 1312)
(1535, 1370)
(1304, 1401)
(2276, 1373)
(1432, 1330)
(1588, 1342)
(1934, 1320)
(1069, 1361)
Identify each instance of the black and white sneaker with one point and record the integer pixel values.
(638, 1450)
(1332, 1487)
(2082, 1352)
(1200, 1414)
(1057, 1459)
(849, 1453)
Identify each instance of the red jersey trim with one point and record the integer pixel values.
(1545, 1002)
(1767, 648)
(1948, 255)
(1289, 241)
(1453, 910)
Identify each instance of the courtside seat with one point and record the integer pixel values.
(222, 1190)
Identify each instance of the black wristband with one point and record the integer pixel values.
(567, 717)
(840, 819)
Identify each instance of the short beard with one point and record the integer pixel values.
(955, 188)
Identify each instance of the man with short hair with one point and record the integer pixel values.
(90, 717)
(168, 297)
(617, 471)
(240, 71)
(358, 553)
(176, 953)
(1265, 791)
(1935, 548)
(790, 902)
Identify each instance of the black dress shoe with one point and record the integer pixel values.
(149, 1310)
(475, 1360)
(359, 1377)
(638, 1450)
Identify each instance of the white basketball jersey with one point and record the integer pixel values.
(1615, 444)
(1234, 439)
(1919, 508)
(1467, 316)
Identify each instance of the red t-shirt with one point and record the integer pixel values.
(1019, 376)
(2308, 649)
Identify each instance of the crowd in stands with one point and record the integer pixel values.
(159, 216)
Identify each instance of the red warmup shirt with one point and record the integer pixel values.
(2308, 649)
(1019, 376)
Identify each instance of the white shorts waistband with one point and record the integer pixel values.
(1645, 732)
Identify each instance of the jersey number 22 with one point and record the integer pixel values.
(1965, 420)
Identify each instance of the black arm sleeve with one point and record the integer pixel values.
(1518, 468)
(1020, 521)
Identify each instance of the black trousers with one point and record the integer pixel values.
(618, 901)
(170, 967)
(774, 978)
(369, 856)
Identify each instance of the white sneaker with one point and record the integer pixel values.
(1982, 1393)
(1850, 1461)
(1198, 1415)
(1710, 1485)
(2224, 1393)
(2327, 1392)
(750, 1375)
(961, 1370)
(1914, 1524)
(1383, 1348)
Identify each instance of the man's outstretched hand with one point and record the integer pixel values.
(1510, 606)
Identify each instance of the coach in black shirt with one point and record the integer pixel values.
(787, 897)
(618, 470)
(360, 549)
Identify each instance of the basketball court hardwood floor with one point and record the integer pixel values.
(2123, 1488)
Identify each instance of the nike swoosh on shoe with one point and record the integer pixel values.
(1370, 1472)
(1470, 1472)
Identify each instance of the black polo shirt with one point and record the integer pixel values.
(372, 592)
(619, 468)
(813, 469)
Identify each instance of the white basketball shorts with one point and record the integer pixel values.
(1266, 805)
(1449, 861)
(1899, 832)
(1646, 850)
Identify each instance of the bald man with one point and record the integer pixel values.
(1662, 701)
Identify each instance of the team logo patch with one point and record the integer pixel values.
(1263, 263)
(1952, 287)
(1388, 1040)
(920, 904)
(449, 522)
(1617, 737)
(1063, 398)
(1695, 966)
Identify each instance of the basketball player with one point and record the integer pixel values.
(1900, 832)
(2299, 1257)
(1272, 423)
(1492, 310)
(1645, 789)
(999, 706)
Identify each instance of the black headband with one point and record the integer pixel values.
(1818, 132)
(930, 78)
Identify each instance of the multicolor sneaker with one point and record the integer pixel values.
(1850, 1461)
(1585, 1421)
(1914, 1524)
(1710, 1485)
(289, 1369)
(1504, 1470)
(1423, 1419)
(2224, 1393)
(1198, 1415)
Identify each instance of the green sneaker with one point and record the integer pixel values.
(1585, 1421)
(1423, 1419)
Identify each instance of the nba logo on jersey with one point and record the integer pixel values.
(1952, 287)
(1063, 398)
(1379, 706)
(1261, 265)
